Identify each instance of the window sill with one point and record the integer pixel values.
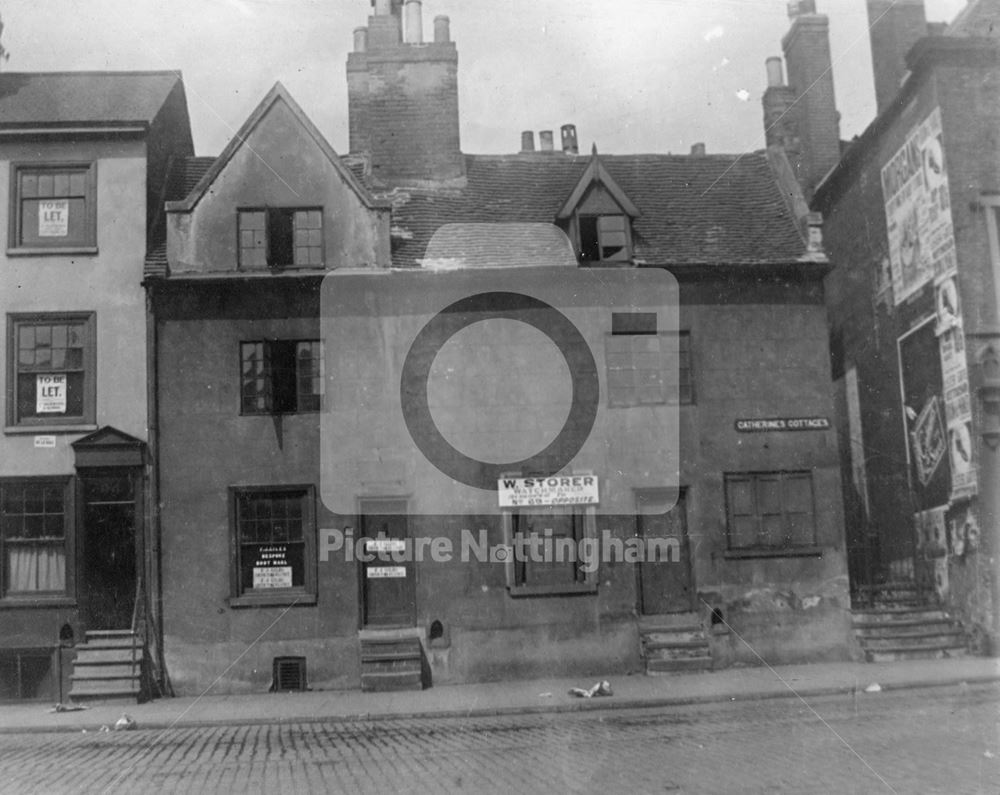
(36, 602)
(55, 251)
(284, 599)
(28, 430)
(778, 552)
(518, 591)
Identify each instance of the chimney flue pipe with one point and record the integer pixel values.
(414, 31)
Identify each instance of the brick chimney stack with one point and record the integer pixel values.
(803, 115)
(894, 27)
(403, 97)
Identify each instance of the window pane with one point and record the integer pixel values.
(270, 529)
(740, 495)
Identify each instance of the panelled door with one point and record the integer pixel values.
(387, 580)
(665, 585)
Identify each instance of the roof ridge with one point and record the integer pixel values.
(97, 73)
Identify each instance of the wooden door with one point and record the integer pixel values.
(665, 584)
(386, 580)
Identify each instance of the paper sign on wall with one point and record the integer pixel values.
(50, 394)
(53, 218)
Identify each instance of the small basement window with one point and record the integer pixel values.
(289, 675)
(25, 674)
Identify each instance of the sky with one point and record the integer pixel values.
(633, 75)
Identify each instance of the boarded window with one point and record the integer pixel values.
(770, 510)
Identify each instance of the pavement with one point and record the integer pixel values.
(515, 697)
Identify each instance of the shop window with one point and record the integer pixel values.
(274, 534)
(52, 373)
(645, 366)
(770, 511)
(604, 238)
(34, 516)
(281, 376)
(281, 237)
(552, 550)
(54, 207)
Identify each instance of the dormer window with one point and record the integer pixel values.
(281, 237)
(597, 215)
(604, 238)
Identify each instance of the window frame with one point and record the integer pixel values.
(15, 243)
(685, 393)
(269, 373)
(269, 258)
(785, 548)
(296, 595)
(54, 424)
(587, 581)
(67, 596)
(626, 231)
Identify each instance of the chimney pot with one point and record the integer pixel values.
(798, 7)
(570, 145)
(414, 31)
(775, 77)
(545, 141)
(442, 30)
(698, 150)
(360, 39)
(528, 141)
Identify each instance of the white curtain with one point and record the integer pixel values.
(36, 568)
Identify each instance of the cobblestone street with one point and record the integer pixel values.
(918, 741)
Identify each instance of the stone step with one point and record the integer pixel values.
(106, 671)
(954, 639)
(387, 655)
(929, 652)
(673, 666)
(902, 626)
(109, 633)
(88, 656)
(105, 688)
(673, 637)
(108, 643)
(881, 615)
(675, 644)
(384, 681)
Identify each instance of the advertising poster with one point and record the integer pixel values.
(955, 376)
(924, 412)
(918, 210)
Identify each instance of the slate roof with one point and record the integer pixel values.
(714, 209)
(29, 99)
(708, 210)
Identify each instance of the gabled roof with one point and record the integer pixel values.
(713, 209)
(277, 94)
(87, 99)
(596, 174)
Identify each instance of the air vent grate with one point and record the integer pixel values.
(289, 674)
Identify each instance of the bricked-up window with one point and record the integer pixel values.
(281, 376)
(33, 528)
(53, 207)
(281, 237)
(274, 531)
(604, 238)
(52, 369)
(770, 510)
(645, 366)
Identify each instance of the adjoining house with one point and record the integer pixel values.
(83, 158)
(257, 590)
(910, 220)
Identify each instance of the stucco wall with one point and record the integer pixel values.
(279, 165)
(107, 283)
